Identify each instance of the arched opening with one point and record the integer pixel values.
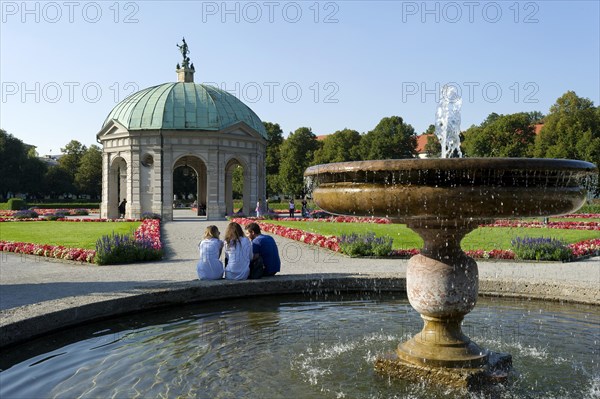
(237, 188)
(117, 187)
(189, 185)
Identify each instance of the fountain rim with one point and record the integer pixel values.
(453, 164)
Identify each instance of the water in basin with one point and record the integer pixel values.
(298, 346)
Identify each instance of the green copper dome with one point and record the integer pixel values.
(183, 106)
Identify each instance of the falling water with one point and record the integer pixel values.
(447, 122)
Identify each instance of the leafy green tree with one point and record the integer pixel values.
(32, 177)
(72, 154)
(536, 117)
(88, 177)
(433, 148)
(297, 152)
(57, 181)
(274, 141)
(20, 170)
(571, 130)
(391, 139)
(500, 136)
(238, 182)
(341, 146)
(572, 126)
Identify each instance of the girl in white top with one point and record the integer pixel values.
(209, 265)
(238, 253)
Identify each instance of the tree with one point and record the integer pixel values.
(433, 148)
(72, 154)
(500, 136)
(341, 146)
(572, 126)
(238, 182)
(274, 141)
(57, 181)
(297, 152)
(19, 172)
(391, 139)
(88, 178)
(536, 117)
(571, 130)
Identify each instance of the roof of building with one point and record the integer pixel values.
(183, 106)
(422, 142)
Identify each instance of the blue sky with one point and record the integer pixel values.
(327, 65)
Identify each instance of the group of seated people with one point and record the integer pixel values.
(253, 255)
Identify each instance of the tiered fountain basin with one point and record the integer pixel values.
(442, 200)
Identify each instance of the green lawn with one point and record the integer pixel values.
(485, 238)
(69, 234)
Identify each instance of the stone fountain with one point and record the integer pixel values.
(442, 200)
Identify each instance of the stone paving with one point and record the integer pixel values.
(33, 286)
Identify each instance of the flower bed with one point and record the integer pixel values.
(580, 249)
(148, 231)
(549, 225)
(339, 219)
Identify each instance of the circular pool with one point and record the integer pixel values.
(298, 346)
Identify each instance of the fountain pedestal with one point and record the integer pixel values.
(442, 285)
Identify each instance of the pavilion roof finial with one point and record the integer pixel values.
(185, 72)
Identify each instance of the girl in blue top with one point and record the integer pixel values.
(209, 265)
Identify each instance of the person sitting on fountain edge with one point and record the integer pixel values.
(265, 247)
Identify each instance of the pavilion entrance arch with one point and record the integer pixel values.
(194, 166)
(230, 167)
(117, 187)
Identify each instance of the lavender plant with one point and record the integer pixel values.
(365, 245)
(150, 215)
(122, 248)
(25, 214)
(528, 248)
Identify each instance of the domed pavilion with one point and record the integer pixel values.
(200, 128)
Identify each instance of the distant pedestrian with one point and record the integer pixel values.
(259, 208)
(122, 206)
(304, 208)
(292, 207)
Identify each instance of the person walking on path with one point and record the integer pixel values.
(238, 253)
(122, 206)
(259, 208)
(209, 265)
(264, 247)
(292, 207)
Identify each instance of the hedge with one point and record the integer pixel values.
(67, 205)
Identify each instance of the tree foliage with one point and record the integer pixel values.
(391, 139)
(297, 152)
(88, 177)
(433, 148)
(20, 170)
(273, 157)
(71, 159)
(571, 130)
(238, 182)
(341, 146)
(58, 181)
(501, 136)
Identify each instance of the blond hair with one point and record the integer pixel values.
(211, 232)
